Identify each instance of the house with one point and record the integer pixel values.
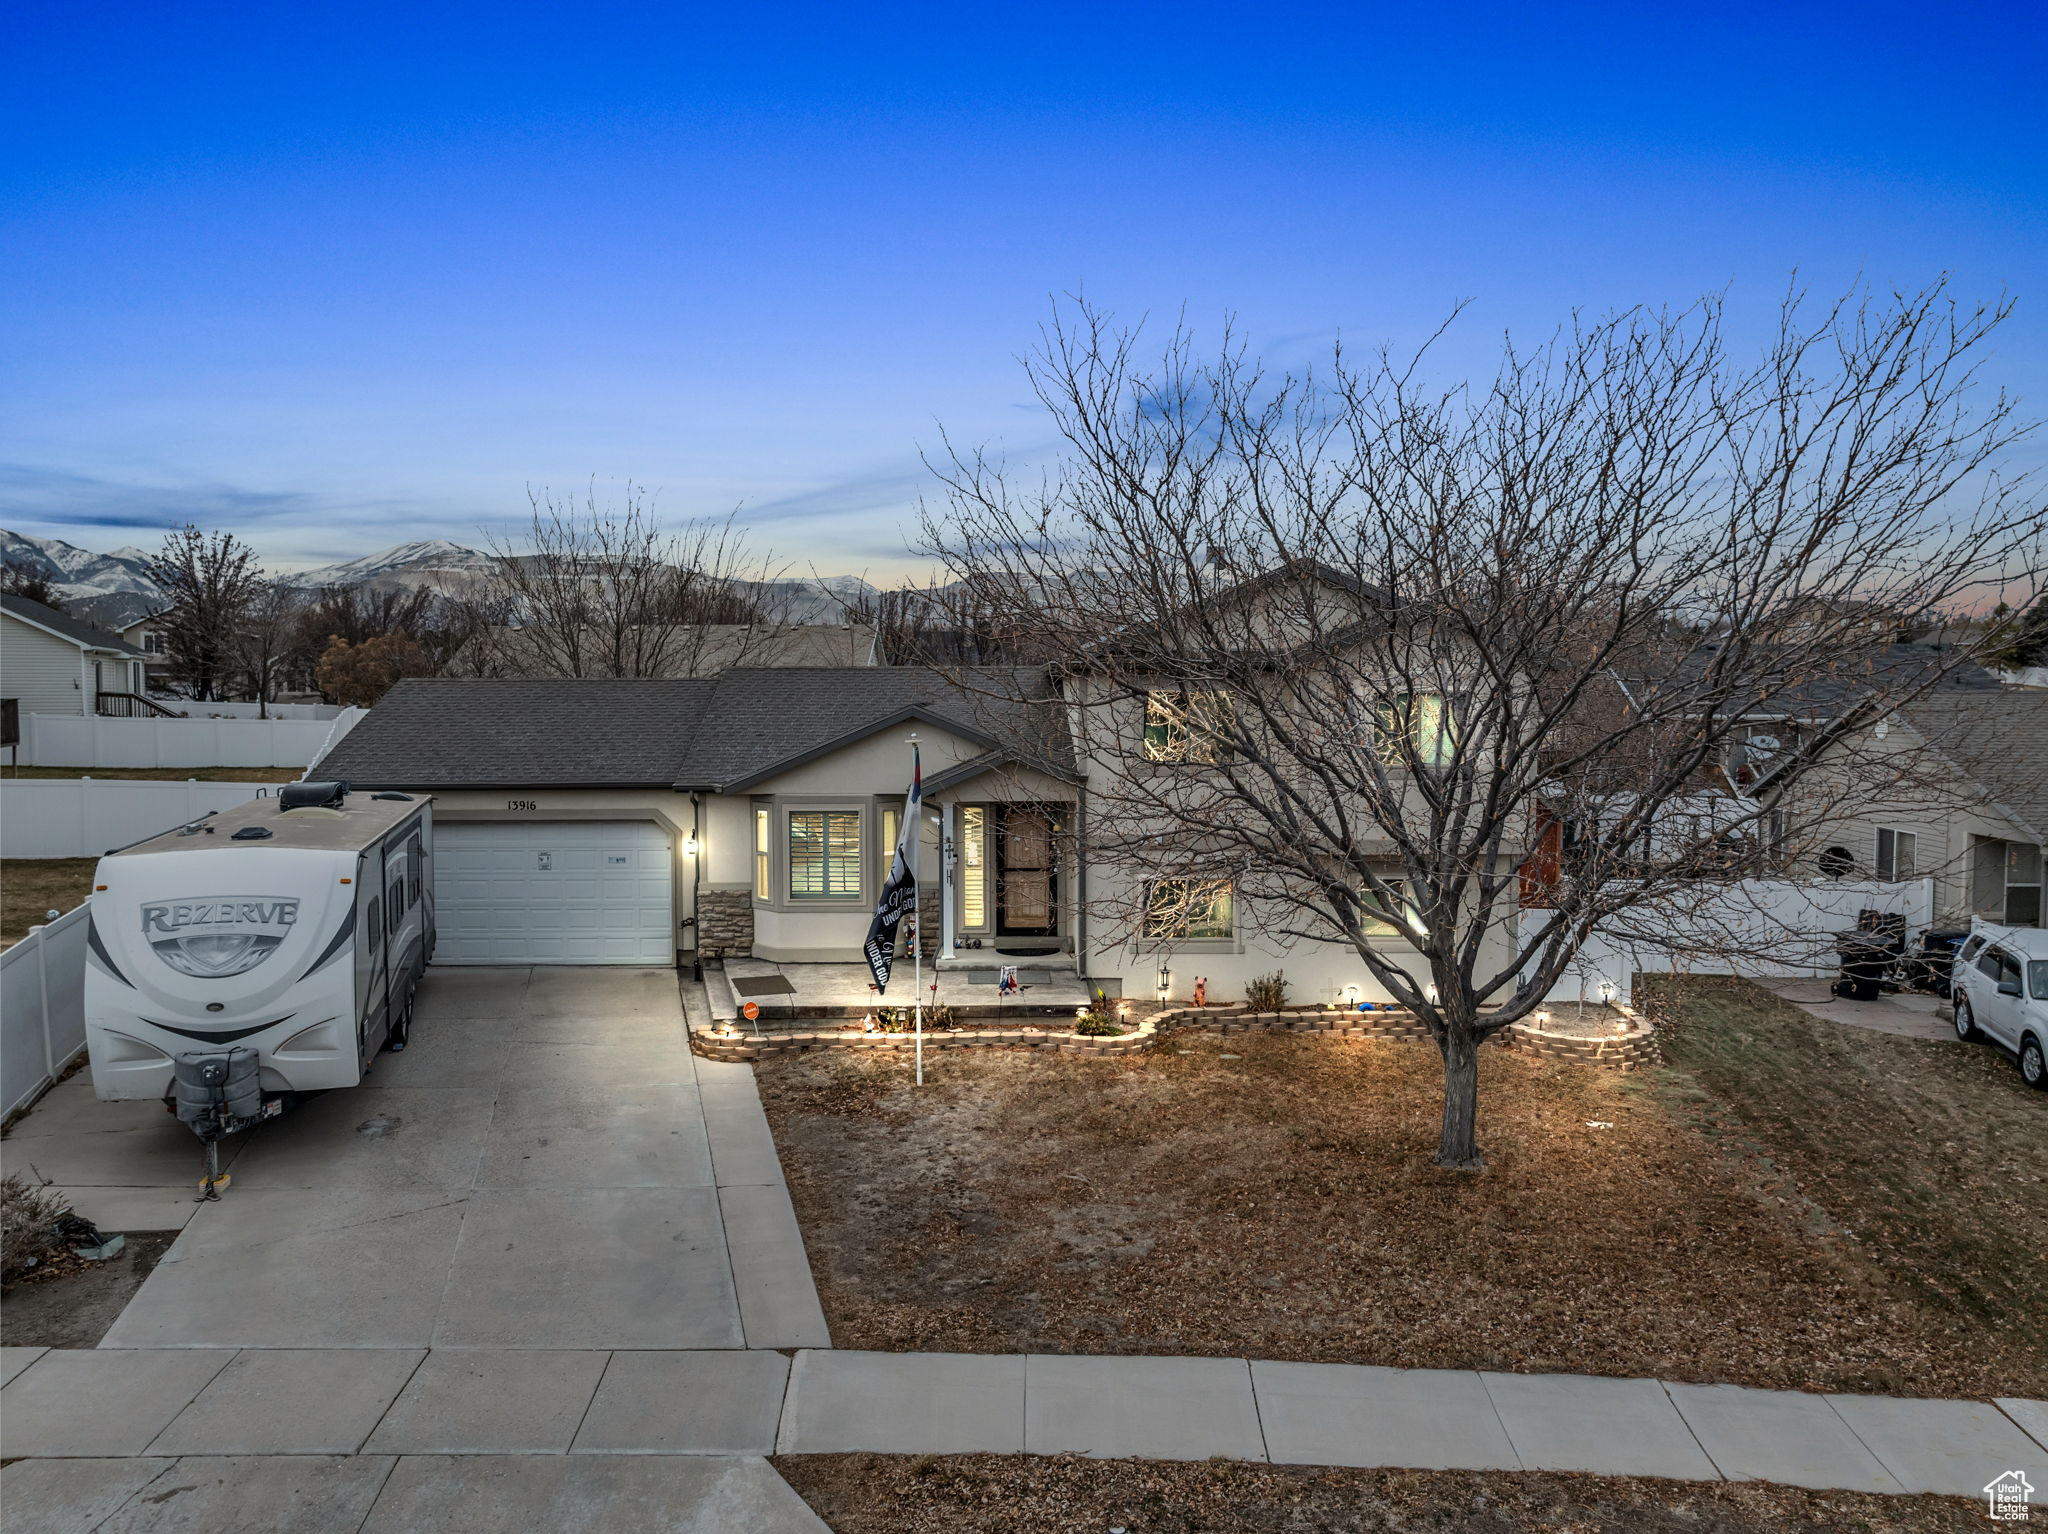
(148, 635)
(51, 663)
(1970, 813)
(755, 813)
(751, 813)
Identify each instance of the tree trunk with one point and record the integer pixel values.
(1457, 1148)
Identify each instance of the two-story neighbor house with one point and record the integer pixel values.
(50, 663)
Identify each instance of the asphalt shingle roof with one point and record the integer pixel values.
(60, 623)
(724, 733)
(446, 732)
(1999, 739)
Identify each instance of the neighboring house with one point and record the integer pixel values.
(1972, 815)
(53, 664)
(148, 635)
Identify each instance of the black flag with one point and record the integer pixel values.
(899, 894)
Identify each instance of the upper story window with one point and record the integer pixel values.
(153, 642)
(1182, 726)
(1423, 721)
(1190, 910)
(824, 855)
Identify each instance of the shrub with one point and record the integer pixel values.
(1100, 1024)
(31, 1220)
(1266, 993)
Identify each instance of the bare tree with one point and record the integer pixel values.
(21, 579)
(208, 581)
(268, 643)
(604, 589)
(1377, 660)
(360, 674)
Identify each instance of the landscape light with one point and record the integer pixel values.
(1165, 982)
(1542, 1020)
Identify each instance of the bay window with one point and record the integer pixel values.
(824, 855)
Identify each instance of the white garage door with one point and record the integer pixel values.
(553, 892)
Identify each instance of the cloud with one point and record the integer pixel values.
(32, 492)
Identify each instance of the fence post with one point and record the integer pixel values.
(43, 992)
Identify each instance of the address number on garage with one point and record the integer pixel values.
(522, 804)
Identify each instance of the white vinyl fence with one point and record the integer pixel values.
(42, 1007)
(196, 710)
(84, 817)
(68, 740)
(1754, 927)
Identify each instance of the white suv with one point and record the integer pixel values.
(2000, 987)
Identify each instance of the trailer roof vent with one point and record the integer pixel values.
(404, 798)
(312, 796)
(253, 834)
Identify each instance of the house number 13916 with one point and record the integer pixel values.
(522, 804)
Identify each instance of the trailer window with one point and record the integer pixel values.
(375, 917)
(415, 866)
(394, 907)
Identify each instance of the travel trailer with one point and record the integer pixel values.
(275, 945)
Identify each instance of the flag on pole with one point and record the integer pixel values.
(899, 893)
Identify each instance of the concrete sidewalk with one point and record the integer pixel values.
(157, 1405)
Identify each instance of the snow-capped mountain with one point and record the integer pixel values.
(80, 573)
(408, 563)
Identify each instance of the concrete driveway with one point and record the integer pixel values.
(538, 1170)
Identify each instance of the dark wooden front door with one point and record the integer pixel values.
(1027, 881)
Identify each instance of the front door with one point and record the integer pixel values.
(1027, 882)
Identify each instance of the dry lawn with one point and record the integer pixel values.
(32, 887)
(1272, 1196)
(999, 1494)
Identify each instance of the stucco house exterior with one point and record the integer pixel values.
(50, 663)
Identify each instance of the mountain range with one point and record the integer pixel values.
(113, 590)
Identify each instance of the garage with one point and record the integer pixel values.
(554, 892)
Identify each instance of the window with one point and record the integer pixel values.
(374, 920)
(2037, 978)
(885, 854)
(2022, 884)
(1896, 851)
(1992, 963)
(1423, 720)
(153, 642)
(415, 867)
(394, 904)
(824, 855)
(2005, 881)
(1190, 910)
(973, 868)
(1380, 921)
(763, 880)
(1187, 726)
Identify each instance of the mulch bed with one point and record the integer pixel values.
(1272, 1196)
(1000, 1494)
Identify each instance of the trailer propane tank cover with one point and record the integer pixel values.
(217, 1084)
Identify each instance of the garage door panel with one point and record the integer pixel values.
(554, 892)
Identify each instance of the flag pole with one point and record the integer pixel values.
(916, 839)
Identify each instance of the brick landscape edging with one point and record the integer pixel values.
(1622, 1052)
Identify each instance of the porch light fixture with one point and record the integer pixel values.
(689, 846)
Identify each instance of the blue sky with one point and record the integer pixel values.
(339, 277)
